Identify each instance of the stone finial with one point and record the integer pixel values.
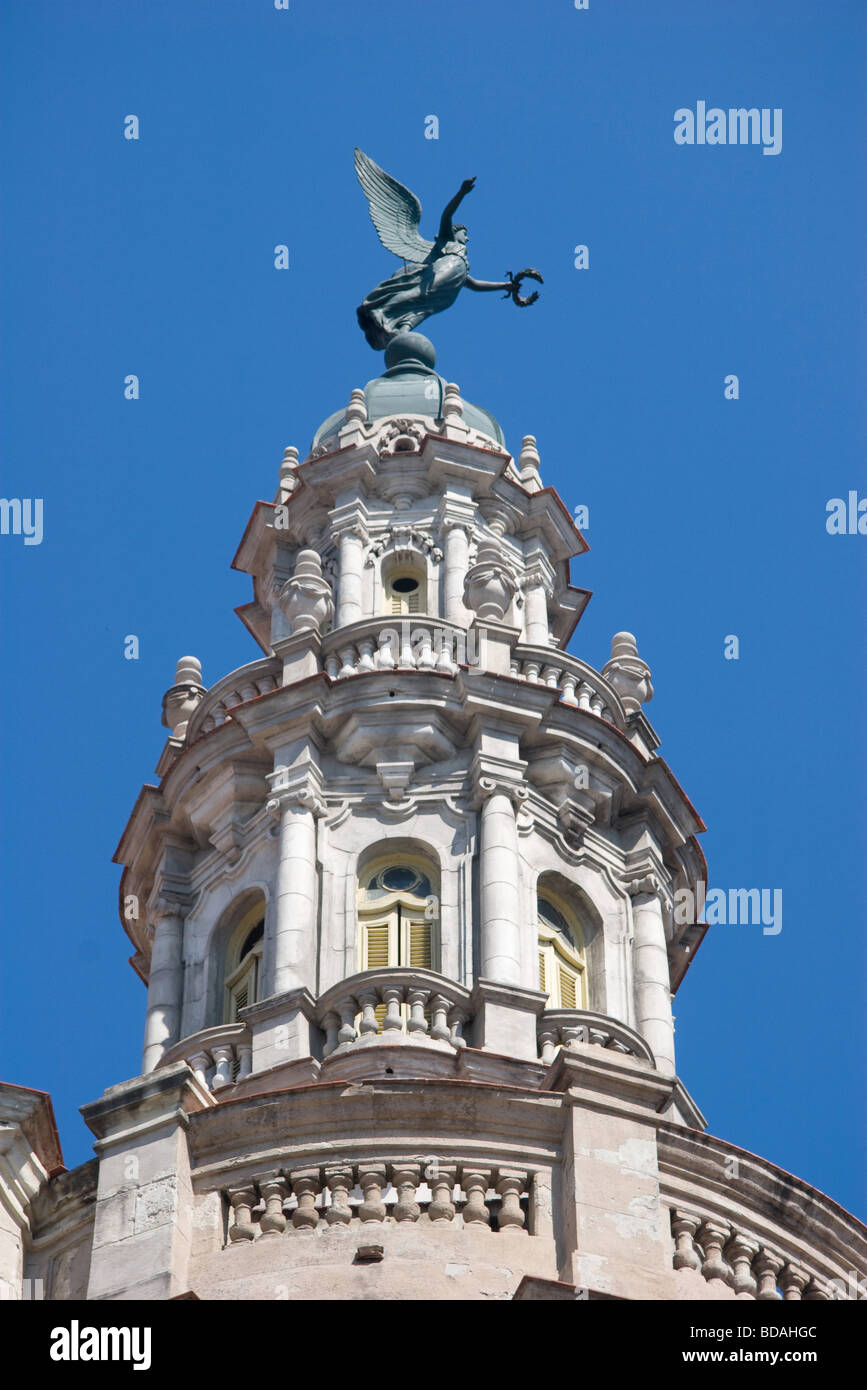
(357, 408)
(453, 406)
(528, 464)
(288, 467)
(629, 675)
(306, 598)
(489, 587)
(182, 698)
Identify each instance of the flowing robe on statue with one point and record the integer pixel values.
(409, 296)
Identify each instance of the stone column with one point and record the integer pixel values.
(651, 975)
(500, 898)
(349, 606)
(456, 563)
(165, 984)
(295, 795)
(536, 611)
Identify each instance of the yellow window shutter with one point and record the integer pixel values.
(414, 603)
(376, 946)
(542, 984)
(568, 990)
(396, 604)
(240, 998)
(420, 944)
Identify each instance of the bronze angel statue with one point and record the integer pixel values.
(437, 270)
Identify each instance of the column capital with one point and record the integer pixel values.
(646, 884)
(299, 787)
(169, 904)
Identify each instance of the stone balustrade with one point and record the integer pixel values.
(566, 1027)
(365, 1194)
(390, 643)
(579, 685)
(219, 1056)
(414, 1006)
(258, 678)
(721, 1250)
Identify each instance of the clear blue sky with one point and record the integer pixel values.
(707, 517)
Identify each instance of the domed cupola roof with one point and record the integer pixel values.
(409, 386)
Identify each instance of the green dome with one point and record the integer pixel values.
(410, 386)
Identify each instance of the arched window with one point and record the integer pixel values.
(397, 914)
(244, 963)
(562, 968)
(405, 591)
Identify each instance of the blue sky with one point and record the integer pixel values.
(707, 516)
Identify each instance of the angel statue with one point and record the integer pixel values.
(438, 270)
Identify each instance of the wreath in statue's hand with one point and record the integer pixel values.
(513, 292)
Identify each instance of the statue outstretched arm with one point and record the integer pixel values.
(483, 285)
(446, 231)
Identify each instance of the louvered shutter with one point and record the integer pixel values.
(568, 988)
(420, 944)
(542, 984)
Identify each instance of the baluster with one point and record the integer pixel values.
(441, 1182)
(531, 671)
(407, 655)
(200, 1063)
(385, 649)
(584, 694)
(567, 694)
(332, 666)
(223, 1055)
(393, 996)
(340, 1184)
(347, 1032)
(510, 1185)
(815, 1293)
(248, 692)
(368, 999)
(330, 1023)
(371, 1178)
(274, 1191)
(245, 1057)
(684, 1227)
(417, 1000)
(515, 668)
(597, 1037)
(551, 676)
(712, 1237)
(425, 661)
(439, 1027)
(445, 641)
(766, 1267)
(348, 656)
(405, 1179)
(457, 1019)
(596, 704)
(306, 1187)
(208, 723)
(243, 1200)
(793, 1281)
(475, 1182)
(740, 1254)
(549, 1039)
(365, 657)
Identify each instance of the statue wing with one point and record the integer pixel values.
(394, 211)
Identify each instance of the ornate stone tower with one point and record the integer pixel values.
(403, 903)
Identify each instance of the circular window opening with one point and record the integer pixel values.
(405, 585)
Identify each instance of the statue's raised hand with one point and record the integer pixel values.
(467, 187)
